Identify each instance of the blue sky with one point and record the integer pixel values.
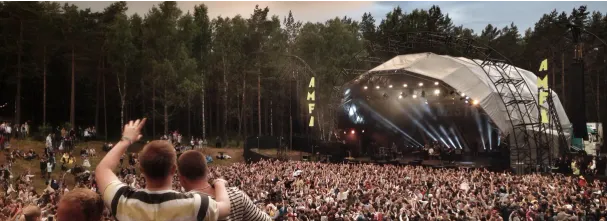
(475, 15)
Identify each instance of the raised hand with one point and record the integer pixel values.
(132, 130)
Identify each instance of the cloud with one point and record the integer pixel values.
(474, 15)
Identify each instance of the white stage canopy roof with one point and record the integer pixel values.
(468, 77)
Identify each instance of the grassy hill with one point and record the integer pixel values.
(21, 166)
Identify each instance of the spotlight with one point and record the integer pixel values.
(463, 95)
(466, 101)
(467, 98)
(363, 131)
(426, 102)
(390, 86)
(365, 87)
(474, 102)
(436, 92)
(377, 87)
(436, 83)
(404, 85)
(414, 96)
(345, 132)
(353, 131)
(400, 96)
(421, 84)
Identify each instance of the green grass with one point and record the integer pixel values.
(21, 166)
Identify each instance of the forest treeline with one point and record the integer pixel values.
(232, 76)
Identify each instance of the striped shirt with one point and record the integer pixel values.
(242, 208)
(128, 204)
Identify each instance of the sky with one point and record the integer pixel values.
(475, 15)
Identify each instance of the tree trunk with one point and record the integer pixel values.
(73, 97)
(189, 116)
(225, 98)
(154, 107)
(97, 102)
(563, 79)
(44, 87)
(259, 102)
(271, 118)
(218, 113)
(18, 94)
(243, 112)
(166, 113)
(104, 101)
(239, 115)
(598, 100)
(143, 109)
(204, 123)
(122, 93)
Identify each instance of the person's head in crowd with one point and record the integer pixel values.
(157, 162)
(31, 213)
(193, 171)
(80, 204)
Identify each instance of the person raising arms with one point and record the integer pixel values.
(157, 162)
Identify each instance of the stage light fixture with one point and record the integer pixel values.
(404, 85)
(400, 96)
(466, 101)
(414, 96)
(436, 83)
(436, 92)
(467, 98)
(365, 87)
(353, 131)
(463, 95)
(421, 84)
(345, 132)
(390, 86)
(377, 87)
(363, 131)
(475, 102)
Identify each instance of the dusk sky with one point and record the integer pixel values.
(475, 15)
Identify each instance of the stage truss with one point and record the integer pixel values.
(531, 142)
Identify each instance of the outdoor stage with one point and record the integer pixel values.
(435, 103)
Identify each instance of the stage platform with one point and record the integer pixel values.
(436, 163)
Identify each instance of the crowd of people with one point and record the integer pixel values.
(283, 190)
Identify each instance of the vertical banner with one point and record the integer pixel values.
(311, 98)
(543, 91)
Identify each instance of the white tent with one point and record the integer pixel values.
(467, 76)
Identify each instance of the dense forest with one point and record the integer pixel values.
(232, 77)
